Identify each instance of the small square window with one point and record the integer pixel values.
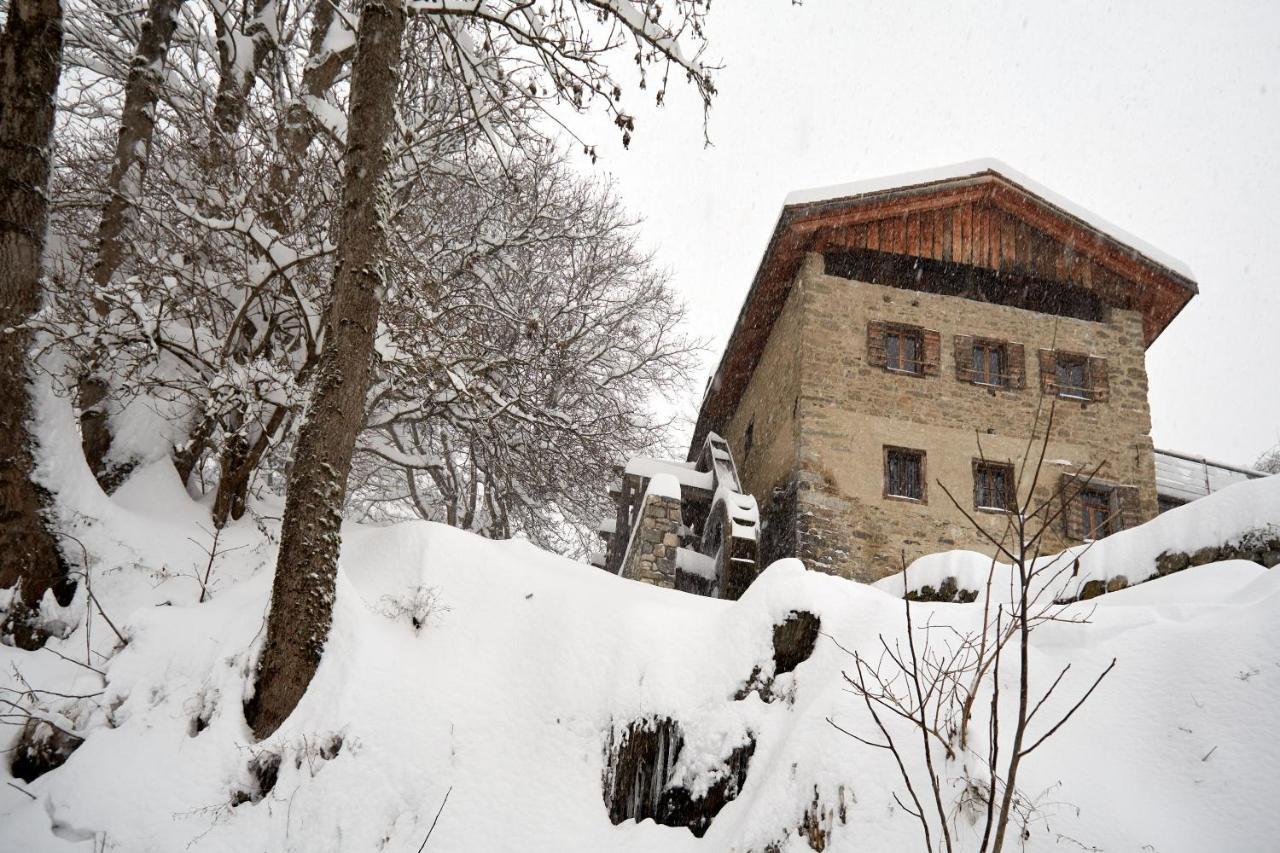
(989, 363)
(903, 349)
(993, 486)
(1095, 513)
(904, 473)
(1072, 376)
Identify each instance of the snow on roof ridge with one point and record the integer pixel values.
(970, 168)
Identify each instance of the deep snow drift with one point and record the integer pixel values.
(521, 664)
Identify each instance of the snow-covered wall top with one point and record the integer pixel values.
(1223, 518)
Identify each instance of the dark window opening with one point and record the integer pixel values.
(902, 350)
(904, 473)
(1095, 513)
(989, 363)
(1072, 376)
(993, 486)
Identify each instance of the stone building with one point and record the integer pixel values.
(907, 338)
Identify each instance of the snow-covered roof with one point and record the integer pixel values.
(649, 466)
(971, 168)
(1186, 478)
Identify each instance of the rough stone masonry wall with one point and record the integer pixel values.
(770, 403)
(848, 410)
(653, 552)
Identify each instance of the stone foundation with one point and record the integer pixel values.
(652, 558)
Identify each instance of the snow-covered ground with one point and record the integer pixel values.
(524, 663)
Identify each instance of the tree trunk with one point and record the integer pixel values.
(240, 458)
(30, 62)
(187, 457)
(233, 479)
(124, 186)
(306, 569)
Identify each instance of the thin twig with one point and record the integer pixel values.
(23, 790)
(437, 817)
(1074, 708)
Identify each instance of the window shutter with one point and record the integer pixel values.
(1015, 355)
(932, 361)
(875, 344)
(964, 357)
(1048, 372)
(1099, 385)
(1126, 507)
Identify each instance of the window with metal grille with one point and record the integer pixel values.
(902, 350)
(993, 485)
(1072, 376)
(989, 363)
(1095, 513)
(904, 473)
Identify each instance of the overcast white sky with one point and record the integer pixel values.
(1161, 117)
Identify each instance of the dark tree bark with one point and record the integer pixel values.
(240, 459)
(124, 185)
(303, 591)
(30, 62)
(233, 476)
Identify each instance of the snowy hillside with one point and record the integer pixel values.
(498, 675)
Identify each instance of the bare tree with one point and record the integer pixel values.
(561, 46)
(932, 681)
(525, 341)
(30, 65)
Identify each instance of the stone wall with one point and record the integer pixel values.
(845, 411)
(656, 537)
(769, 407)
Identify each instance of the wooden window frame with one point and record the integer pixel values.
(1124, 505)
(986, 346)
(1012, 373)
(889, 452)
(928, 343)
(1097, 384)
(905, 333)
(1072, 359)
(1104, 500)
(980, 467)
